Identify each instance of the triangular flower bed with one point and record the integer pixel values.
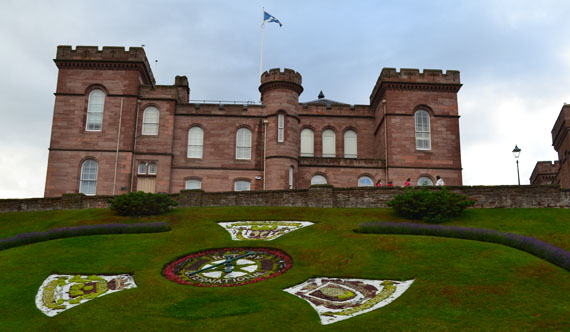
(337, 299)
(261, 230)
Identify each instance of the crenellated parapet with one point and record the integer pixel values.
(277, 79)
(109, 57)
(414, 79)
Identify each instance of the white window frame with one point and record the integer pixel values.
(350, 144)
(280, 128)
(188, 186)
(318, 179)
(151, 119)
(423, 130)
(243, 144)
(88, 178)
(95, 110)
(365, 178)
(329, 143)
(142, 169)
(424, 178)
(152, 168)
(307, 143)
(242, 185)
(195, 142)
(291, 171)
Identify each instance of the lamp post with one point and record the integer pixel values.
(517, 153)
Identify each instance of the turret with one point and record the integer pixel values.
(280, 92)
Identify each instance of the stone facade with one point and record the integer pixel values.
(384, 146)
(557, 172)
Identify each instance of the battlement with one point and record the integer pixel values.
(276, 74)
(275, 78)
(414, 75)
(429, 79)
(115, 54)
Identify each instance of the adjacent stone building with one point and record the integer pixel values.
(558, 172)
(115, 131)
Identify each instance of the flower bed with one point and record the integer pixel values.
(206, 268)
(337, 299)
(261, 230)
(60, 292)
(546, 251)
(59, 233)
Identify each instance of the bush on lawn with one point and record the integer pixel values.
(434, 206)
(141, 204)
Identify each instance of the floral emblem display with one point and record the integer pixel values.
(60, 292)
(337, 299)
(226, 267)
(261, 230)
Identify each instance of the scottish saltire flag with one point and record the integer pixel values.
(270, 18)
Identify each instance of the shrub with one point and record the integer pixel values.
(141, 204)
(433, 206)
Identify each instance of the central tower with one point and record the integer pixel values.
(280, 92)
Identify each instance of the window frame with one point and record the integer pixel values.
(198, 147)
(318, 176)
(346, 144)
(85, 182)
(236, 182)
(365, 177)
(95, 111)
(147, 124)
(243, 152)
(427, 178)
(421, 133)
(195, 180)
(280, 128)
(326, 143)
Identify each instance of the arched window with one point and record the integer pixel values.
(318, 179)
(243, 144)
(193, 184)
(329, 143)
(88, 180)
(242, 185)
(425, 181)
(350, 144)
(195, 142)
(95, 107)
(307, 143)
(150, 121)
(423, 139)
(365, 181)
(280, 128)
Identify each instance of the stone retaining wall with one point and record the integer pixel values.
(317, 196)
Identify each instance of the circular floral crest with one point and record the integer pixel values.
(227, 267)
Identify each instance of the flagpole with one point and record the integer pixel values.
(261, 48)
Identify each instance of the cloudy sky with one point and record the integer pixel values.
(513, 55)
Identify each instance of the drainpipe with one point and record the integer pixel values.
(118, 143)
(385, 139)
(134, 147)
(265, 122)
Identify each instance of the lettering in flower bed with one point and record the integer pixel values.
(60, 292)
(261, 230)
(226, 267)
(337, 299)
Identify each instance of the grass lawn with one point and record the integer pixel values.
(460, 285)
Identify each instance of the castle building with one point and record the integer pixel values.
(557, 172)
(116, 131)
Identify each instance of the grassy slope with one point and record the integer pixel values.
(460, 285)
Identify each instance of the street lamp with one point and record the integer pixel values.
(517, 153)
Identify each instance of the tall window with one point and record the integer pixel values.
(95, 107)
(243, 144)
(195, 142)
(193, 184)
(318, 179)
(350, 144)
(365, 181)
(242, 185)
(280, 127)
(307, 143)
(423, 140)
(291, 169)
(150, 121)
(88, 180)
(329, 143)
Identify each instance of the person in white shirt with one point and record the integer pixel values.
(439, 181)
